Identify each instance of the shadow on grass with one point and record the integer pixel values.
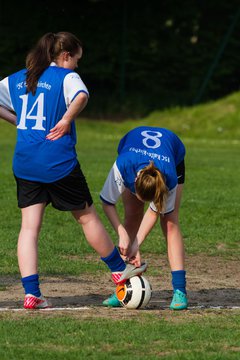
(205, 298)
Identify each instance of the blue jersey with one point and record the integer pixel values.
(35, 157)
(135, 151)
(144, 144)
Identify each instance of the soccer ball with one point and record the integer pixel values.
(135, 293)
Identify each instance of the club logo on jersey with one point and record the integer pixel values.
(119, 181)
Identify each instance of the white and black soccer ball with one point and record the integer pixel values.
(135, 293)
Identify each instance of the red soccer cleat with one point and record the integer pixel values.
(34, 302)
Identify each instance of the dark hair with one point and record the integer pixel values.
(150, 185)
(48, 48)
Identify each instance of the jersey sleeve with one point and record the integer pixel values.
(113, 187)
(72, 86)
(5, 99)
(170, 203)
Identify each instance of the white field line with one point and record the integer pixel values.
(213, 307)
(199, 307)
(48, 309)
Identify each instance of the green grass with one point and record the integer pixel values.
(208, 215)
(214, 120)
(212, 336)
(210, 224)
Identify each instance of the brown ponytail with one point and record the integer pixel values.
(46, 50)
(150, 186)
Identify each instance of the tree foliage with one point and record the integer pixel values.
(138, 55)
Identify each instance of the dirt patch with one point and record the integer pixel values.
(211, 282)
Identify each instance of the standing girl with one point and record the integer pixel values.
(46, 97)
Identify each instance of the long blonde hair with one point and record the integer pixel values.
(150, 185)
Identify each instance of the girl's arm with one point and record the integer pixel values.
(7, 115)
(148, 222)
(63, 126)
(112, 215)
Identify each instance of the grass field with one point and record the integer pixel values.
(210, 224)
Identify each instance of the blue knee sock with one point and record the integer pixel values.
(114, 261)
(31, 285)
(179, 280)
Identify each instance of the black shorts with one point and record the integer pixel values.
(181, 172)
(66, 194)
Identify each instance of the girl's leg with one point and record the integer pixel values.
(176, 254)
(28, 256)
(99, 239)
(171, 230)
(94, 230)
(28, 239)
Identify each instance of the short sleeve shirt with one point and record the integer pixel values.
(136, 149)
(35, 157)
